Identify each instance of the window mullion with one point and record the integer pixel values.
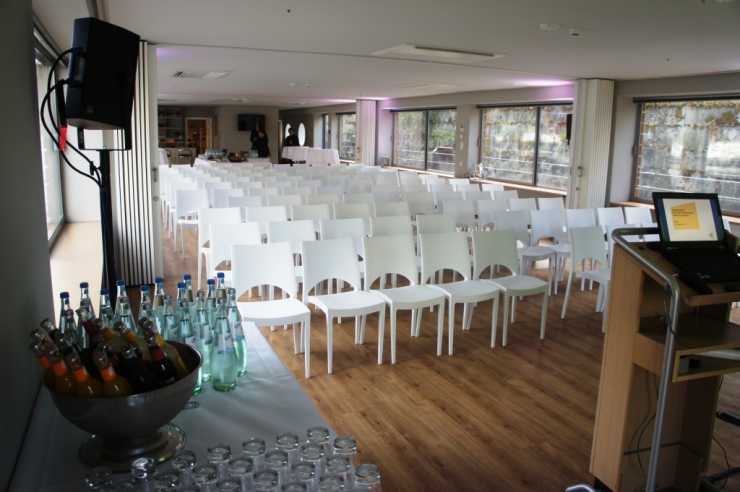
(536, 146)
(426, 140)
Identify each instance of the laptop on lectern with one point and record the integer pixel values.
(692, 238)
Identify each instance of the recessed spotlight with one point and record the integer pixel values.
(574, 33)
(549, 27)
(307, 85)
(292, 84)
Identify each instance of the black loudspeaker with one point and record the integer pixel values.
(568, 127)
(102, 75)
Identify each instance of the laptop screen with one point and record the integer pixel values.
(689, 217)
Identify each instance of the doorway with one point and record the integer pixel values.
(199, 133)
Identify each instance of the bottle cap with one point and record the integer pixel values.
(158, 280)
(187, 277)
(64, 295)
(120, 283)
(221, 275)
(103, 291)
(145, 288)
(180, 285)
(84, 285)
(211, 281)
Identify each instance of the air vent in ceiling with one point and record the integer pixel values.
(200, 75)
(450, 55)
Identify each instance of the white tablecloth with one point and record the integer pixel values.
(268, 401)
(312, 156)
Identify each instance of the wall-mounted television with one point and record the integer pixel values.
(249, 122)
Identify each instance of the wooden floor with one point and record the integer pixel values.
(515, 418)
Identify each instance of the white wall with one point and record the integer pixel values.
(24, 270)
(81, 198)
(229, 137)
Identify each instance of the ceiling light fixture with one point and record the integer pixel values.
(575, 33)
(549, 27)
(292, 84)
(437, 53)
(200, 75)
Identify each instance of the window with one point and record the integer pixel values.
(425, 139)
(301, 134)
(325, 131)
(347, 135)
(50, 159)
(526, 144)
(691, 146)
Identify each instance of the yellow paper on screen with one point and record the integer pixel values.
(685, 216)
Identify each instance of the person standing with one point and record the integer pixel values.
(292, 139)
(260, 143)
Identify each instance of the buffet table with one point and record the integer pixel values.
(256, 161)
(312, 156)
(267, 401)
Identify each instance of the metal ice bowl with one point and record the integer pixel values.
(125, 428)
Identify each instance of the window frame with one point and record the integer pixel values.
(426, 111)
(538, 121)
(339, 134)
(639, 102)
(325, 131)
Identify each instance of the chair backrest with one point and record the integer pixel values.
(390, 254)
(474, 195)
(215, 188)
(462, 212)
(329, 259)
(516, 221)
(287, 200)
(391, 209)
(264, 215)
(316, 213)
(464, 185)
(246, 201)
(225, 236)
(330, 198)
(391, 225)
(638, 215)
(492, 187)
(444, 251)
(522, 204)
(547, 203)
(409, 178)
(263, 264)
(293, 232)
(607, 216)
(208, 216)
(352, 210)
(380, 195)
(587, 243)
(188, 202)
(355, 228)
(420, 202)
(222, 198)
(350, 197)
(439, 186)
(547, 223)
(505, 195)
(440, 196)
(491, 248)
(433, 224)
(487, 209)
(579, 217)
(389, 178)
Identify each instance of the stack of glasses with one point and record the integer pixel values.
(317, 463)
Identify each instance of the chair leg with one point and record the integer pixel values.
(450, 327)
(513, 309)
(470, 314)
(494, 320)
(543, 319)
(583, 279)
(329, 344)
(440, 326)
(505, 330)
(412, 326)
(381, 320)
(394, 330)
(418, 322)
(363, 322)
(466, 309)
(357, 330)
(381, 335)
(295, 341)
(567, 294)
(394, 280)
(306, 331)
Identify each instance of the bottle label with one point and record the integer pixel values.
(108, 374)
(81, 375)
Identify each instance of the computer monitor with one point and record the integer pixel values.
(689, 218)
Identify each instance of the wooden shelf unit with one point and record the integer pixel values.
(632, 364)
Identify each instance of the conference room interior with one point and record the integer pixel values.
(531, 120)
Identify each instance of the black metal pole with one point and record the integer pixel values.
(106, 225)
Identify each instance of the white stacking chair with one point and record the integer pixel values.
(579, 217)
(409, 179)
(547, 203)
(387, 178)
(492, 187)
(206, 218)
(185, 211)
(316, 213)
(387, 195)
(487, 209)
(246, 201)
(354, 228)
(265, 215)
(476, 195)
(522, 204)
(505, 195)
(549, 224)
(294, 233)
(330, 198)
(222, 198)
(492, 249)
(420, 202)
(394, 255)
(638, 215)
(285, 200)
(223, 238)
(391, 209)
(450, 251)
(354, 211)
(609, 216)
(461, 212)
(439, 186)
(516, 221)
(391, 225)
(464, 185)
(434, 224)
(337, 259)
(413, 187)
(587, 243)
(215, 188)
(272, 265)
(350, 197)
(441, 196)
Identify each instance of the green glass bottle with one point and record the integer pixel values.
(237, 330)
(224, 364)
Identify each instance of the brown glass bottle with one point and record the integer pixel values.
(133, 339)
(169, 350)
(135, 370)
(85, 385)
(113, 384)
(63, 382)
(161, 366)
(47, 372)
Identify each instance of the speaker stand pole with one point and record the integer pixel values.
(106, 224)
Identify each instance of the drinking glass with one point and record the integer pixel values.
(99, 478)
(367, 478)
(331, 483)
(266, 481)
(289, 443)
(312, 453)
(219, 456)
(305, 473)
(345, 446)
(229, 485)
(340, 465)
(204, 476)
(294, 487)
(241, 469)
(320, 435)
(255, 448)
(183, 463)
(277, 459)
(167, 481)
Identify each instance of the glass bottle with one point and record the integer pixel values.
(367, 478)
(85, 385)
(158, 299)
(183, 463)
(123, 307)
(182, 296)
(83, 316)
(67, 322)
(266, 481)
(146, 309)
(219, 456)
(211, 302)
(47, 372)
(277, 460)
(132, 339)
(188, 279)
(161, 366)
(113, 384)
(133, 368)
(170, 319)
(241, 469)
(235, 323)
(107, 316)
(224, 362)
(63, 382)
(205, 347)
(254, 448)
(288, 442)
(85, 300)
(65, 306)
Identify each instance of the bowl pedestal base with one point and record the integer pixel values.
(117, 454)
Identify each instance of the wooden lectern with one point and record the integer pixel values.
(660, 375)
